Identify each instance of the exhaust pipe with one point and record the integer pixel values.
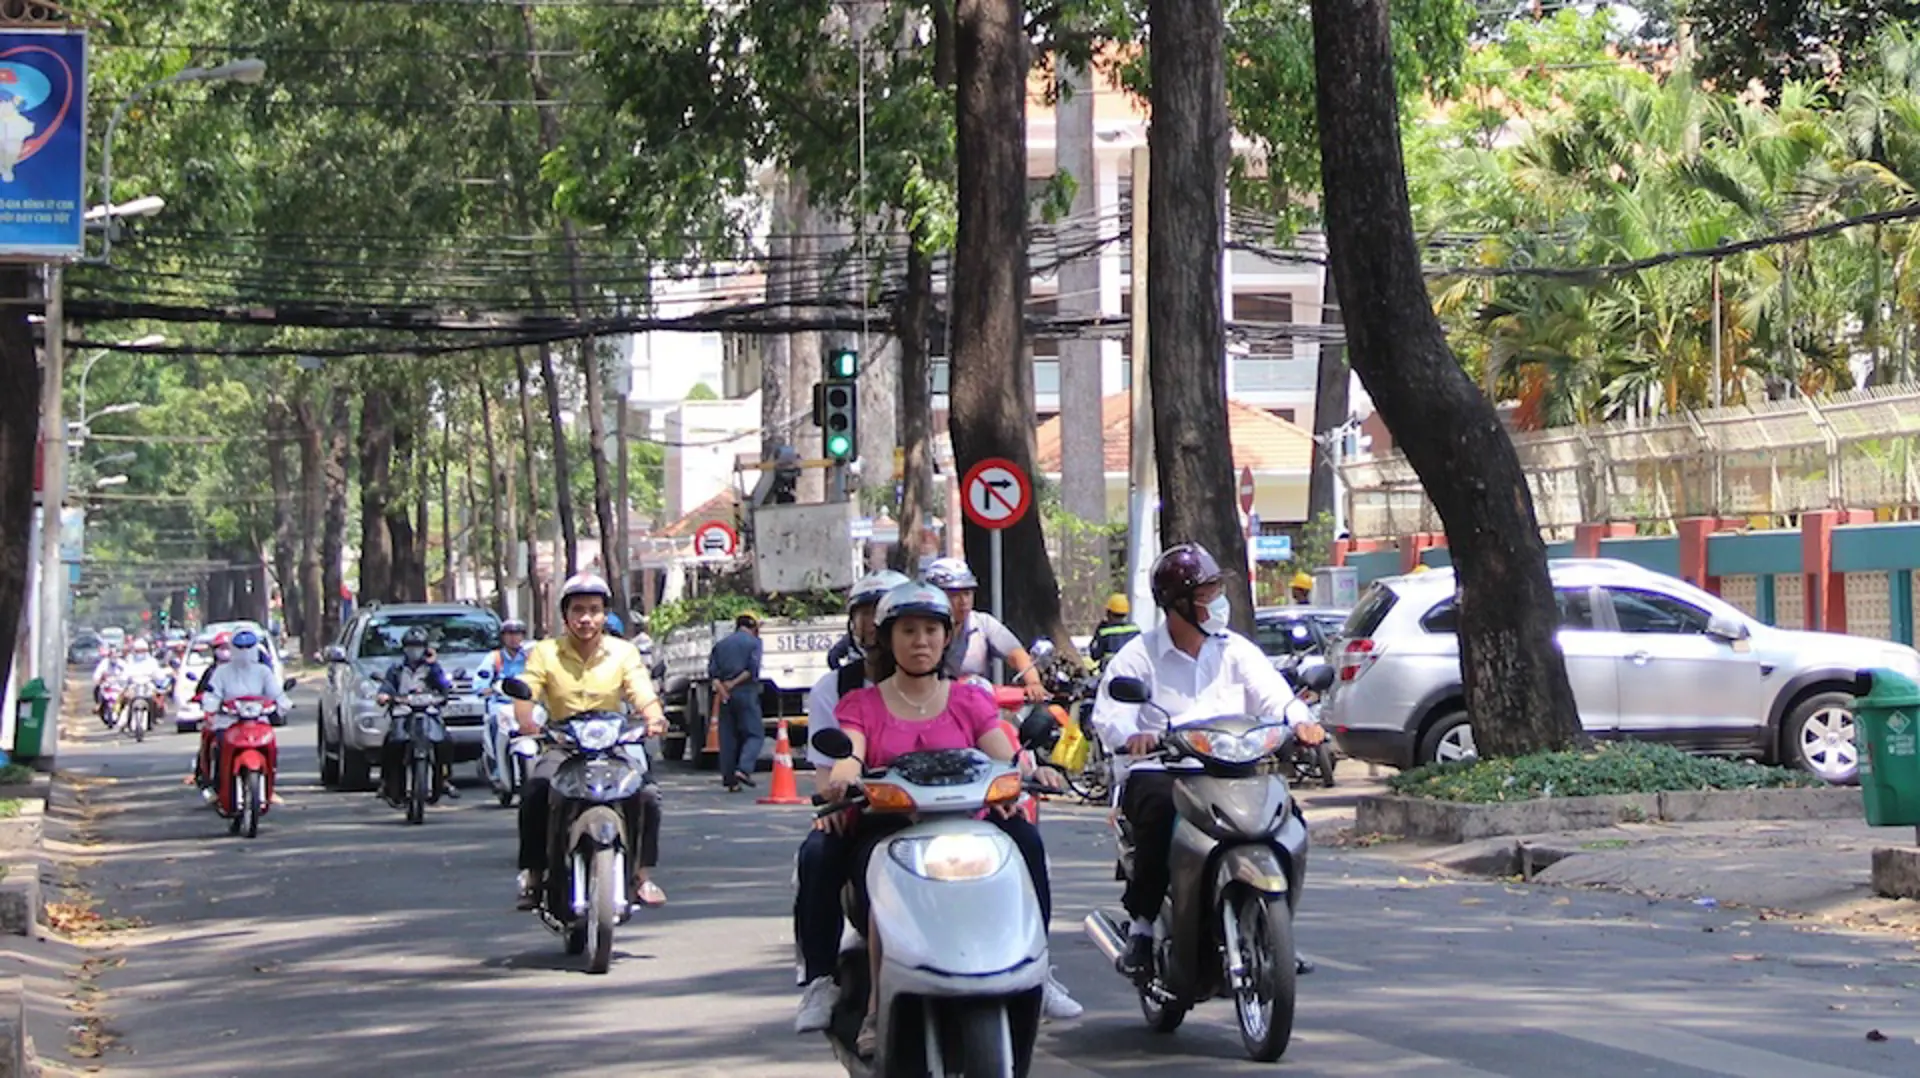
(1106, 934)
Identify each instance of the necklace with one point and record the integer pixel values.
(919, 706)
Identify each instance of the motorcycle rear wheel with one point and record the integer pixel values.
(420, 784)
(602, 888)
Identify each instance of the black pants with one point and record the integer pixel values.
(874, 830)
(1147, 802)
(642, 812)
(826, 862)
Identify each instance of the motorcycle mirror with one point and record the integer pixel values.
(1318, 678)
(1128, 690)
(287, 685)
(1037, 728)
(833, 744)
(516, 688)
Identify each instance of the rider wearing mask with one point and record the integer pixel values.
(1194, 667)
(108, 667)
(417, 671)
(585, 670)
(912, 707)
(978, 637)
(824, 855)
(143, 664)
(241, 675)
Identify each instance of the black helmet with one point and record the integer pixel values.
(415, 637)
(1179, 572)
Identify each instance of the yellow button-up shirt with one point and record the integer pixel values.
(568, 685)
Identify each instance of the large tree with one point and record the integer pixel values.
(991, 397)
(1514, 675)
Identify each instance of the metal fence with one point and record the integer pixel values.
(1853, 450)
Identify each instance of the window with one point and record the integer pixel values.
(1281, 637)
(1652, 612)
(455, 632)
(1575, 605)
(1369, 612)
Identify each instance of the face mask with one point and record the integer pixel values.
(1219, 611)
(223, 654)
(414, 655)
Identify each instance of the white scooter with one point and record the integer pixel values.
(964, 961)
(505, 755)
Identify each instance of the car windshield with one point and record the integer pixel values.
(446, 631)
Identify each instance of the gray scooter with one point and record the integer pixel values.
(1238, 861)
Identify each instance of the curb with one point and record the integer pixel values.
(13, 1028)
(1454, 823)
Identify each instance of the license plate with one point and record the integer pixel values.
(463, 709)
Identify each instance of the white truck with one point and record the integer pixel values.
(793, 657)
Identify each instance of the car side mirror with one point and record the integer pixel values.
(1318, 678)
(516, 688)
(834, 744)
(1727, 628)
(335, 653)
(1128, 690)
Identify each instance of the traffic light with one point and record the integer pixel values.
(840, 406)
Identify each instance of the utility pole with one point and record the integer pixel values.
(51, 660)
(1143, 513)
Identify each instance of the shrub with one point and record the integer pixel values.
(1615, 767)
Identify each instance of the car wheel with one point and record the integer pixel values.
(329, 764)
(1449, 740)
(1820, 738)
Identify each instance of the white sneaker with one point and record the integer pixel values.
(816, 1005)
(1055, 1003)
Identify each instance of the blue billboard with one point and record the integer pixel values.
(43, 142)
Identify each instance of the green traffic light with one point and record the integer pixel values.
(843, 363)
(839, 445)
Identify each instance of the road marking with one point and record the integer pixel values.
(1704, 1053)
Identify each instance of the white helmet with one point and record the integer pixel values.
(950, 574)
(915, 600)
(584, 584)
(873, 587)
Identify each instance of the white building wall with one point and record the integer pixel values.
(703, 440)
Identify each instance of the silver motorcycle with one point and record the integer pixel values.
(1238, 861)
(965, 957)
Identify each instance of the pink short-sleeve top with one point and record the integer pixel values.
(969, 714)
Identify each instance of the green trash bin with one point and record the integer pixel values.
(30, 719)
(1886, 718)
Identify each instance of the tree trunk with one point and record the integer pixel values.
(777, 402)
(334, 536)
(313, 502)
(992, 399)
(562, 475)
(1330, 408)
(449, 587)
(418, 448)
(377, 555)
(280, 475)
(803, 348)
(502, 525)
(19, 435)
(530, 534)
(1515, 677)
(911, 318)
(1186, 352)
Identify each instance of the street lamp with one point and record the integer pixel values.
(151, 340)
(249, 70)
(110, 481)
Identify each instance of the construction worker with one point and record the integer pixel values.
(1114, 630)
(1302, 586)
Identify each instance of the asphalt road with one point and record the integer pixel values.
(343, 942)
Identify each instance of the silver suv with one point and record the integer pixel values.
(1649, 657)
(352, 727)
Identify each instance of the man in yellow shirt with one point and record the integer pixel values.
(585, 670)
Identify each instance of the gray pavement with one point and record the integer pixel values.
(342, 942)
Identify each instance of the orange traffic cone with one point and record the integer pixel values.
(713, 727)
(786, 791)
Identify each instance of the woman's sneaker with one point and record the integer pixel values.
(816, 1005)
(1055, 1003)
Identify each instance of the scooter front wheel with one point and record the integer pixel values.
(983, 1035)
(253, 802)
(602, 888)
(421, 785)
(1259, 933)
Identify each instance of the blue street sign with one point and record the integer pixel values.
(1273, 548)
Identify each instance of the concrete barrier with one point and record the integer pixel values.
(1454, 822)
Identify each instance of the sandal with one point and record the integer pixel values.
(650, 894)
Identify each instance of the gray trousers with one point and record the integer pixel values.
(742, 731)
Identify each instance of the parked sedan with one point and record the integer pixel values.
(1648, 656)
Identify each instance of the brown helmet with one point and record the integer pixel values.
(1178, 573)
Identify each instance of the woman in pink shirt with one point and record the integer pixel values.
(912, 708)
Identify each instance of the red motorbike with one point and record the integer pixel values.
(245, 765)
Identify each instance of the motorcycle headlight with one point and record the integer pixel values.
(596, 735)
(1231, 748)
(953, 856)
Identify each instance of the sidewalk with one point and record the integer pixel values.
(1819, 869)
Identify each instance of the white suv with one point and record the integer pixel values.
(1649, 657)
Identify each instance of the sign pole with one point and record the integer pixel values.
(999, 599)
